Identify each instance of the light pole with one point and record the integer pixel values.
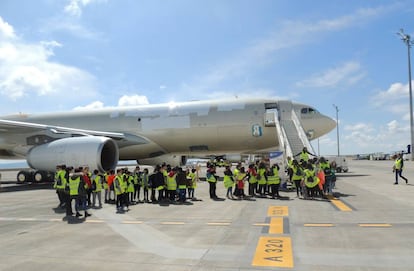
(337, 127)
(407, 40)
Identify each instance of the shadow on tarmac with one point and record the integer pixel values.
(25, 187)
(351, 175)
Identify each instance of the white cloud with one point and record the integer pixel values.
(132, 100)
(74, 7)
(368, 138)
(347, 74)
(359, 127)
(26, 69)
(396, 92)
(6, 30)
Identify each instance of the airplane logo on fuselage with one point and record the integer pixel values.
(257, 130)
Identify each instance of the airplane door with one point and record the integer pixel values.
(285, 110)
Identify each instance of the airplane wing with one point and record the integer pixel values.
(12, 127)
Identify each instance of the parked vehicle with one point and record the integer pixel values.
(341, 164)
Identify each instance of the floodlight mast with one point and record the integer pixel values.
(407, 40)
(337, 127)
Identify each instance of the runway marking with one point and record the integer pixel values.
(26, 219)
(319, 225)
(277, 211)
(276, 225)
(274, 252)
(172, 223)
(339, 204)
(385, 225)
(131, 222)
(218, 223)
(261, 224)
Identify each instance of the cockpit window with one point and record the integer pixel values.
(308, 110)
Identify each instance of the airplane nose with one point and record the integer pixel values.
(330, 124)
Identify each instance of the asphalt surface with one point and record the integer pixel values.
(368, 226)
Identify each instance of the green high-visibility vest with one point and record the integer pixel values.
(74, 186)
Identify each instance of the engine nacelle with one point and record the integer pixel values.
(169, 159)
(97, 152)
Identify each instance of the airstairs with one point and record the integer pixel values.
(291, 135)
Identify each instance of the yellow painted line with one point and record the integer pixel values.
(131, 222)
(261, 224)
(339, 204)
(319, 225)
(274, 252)
(277, 211)
(26, 219)
(276, 225)
(173, 223)
(218, 223)
(375, 225)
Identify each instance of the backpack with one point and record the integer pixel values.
(94, 184)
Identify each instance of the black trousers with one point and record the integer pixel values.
(212, 190)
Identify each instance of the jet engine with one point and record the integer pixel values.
(97, 152)
(169, 159)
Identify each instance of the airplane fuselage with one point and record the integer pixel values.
(195, 127)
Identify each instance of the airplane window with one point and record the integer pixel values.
(304, 111)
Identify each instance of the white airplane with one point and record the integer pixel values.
(150, 134)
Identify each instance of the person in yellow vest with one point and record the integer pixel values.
(182, 183)
(304, 154)
(97, 183)
(235, 173)
(119, 188)
(137, 184)
(261, 179)
(212, 181)
(240, 179)
(311, 182)
(228, 182)
(252, 178)
(398, 168)
(77, 191)
(326, 168)
(297, 176)
(60, 184)
(273, 181)
(130, 186)
(105, 186)
(192, 176)
(171, 184)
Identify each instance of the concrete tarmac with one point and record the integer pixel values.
(369, 225)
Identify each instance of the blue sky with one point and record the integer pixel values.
(58, 55)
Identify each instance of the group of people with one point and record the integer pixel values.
(311, 178)
(123, 188)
